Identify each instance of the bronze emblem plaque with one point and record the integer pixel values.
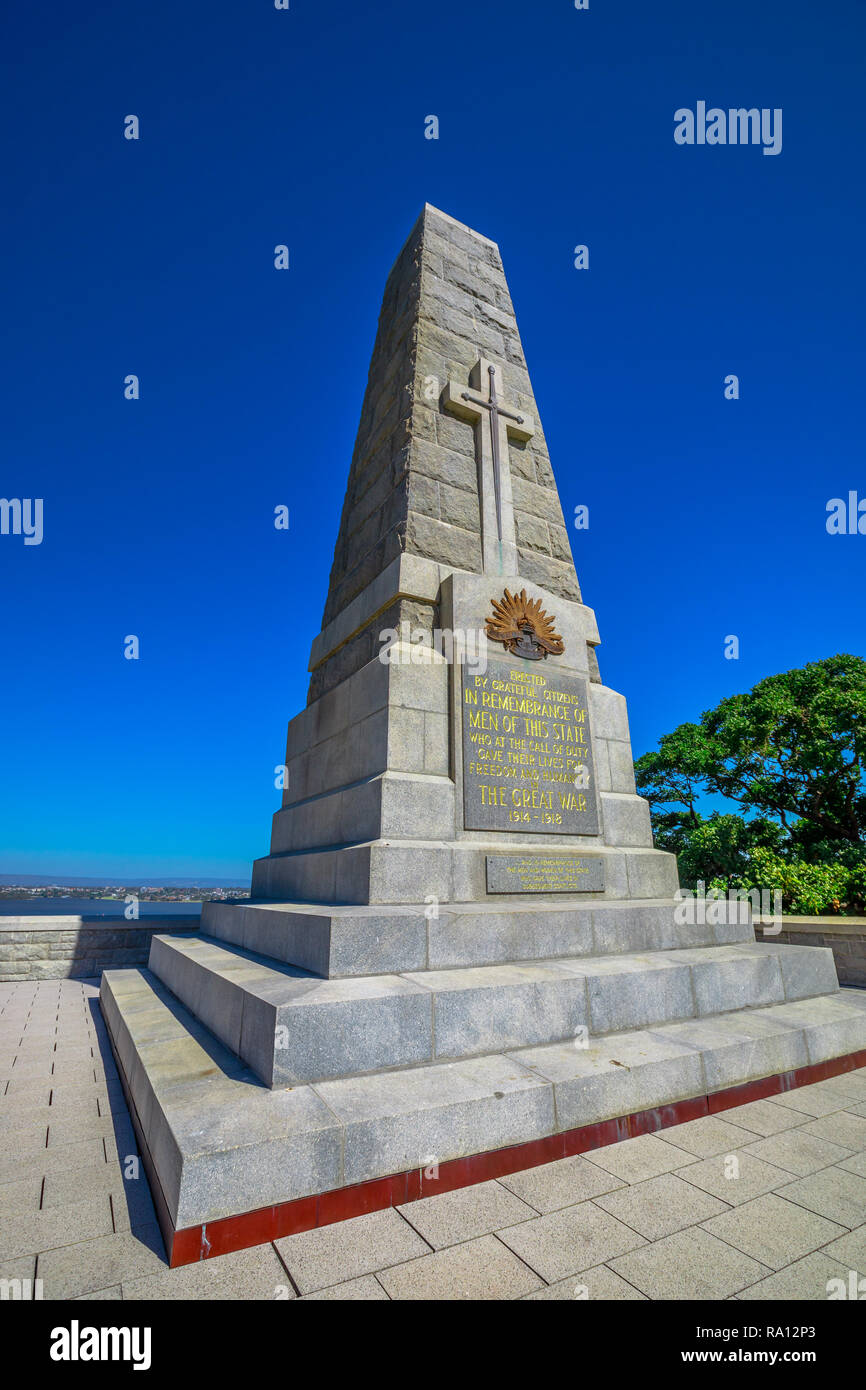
(522, 625)
(527, 754)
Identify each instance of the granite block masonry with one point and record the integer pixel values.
(462, 939)
(62, 946)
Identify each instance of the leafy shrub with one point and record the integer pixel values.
(808, 890)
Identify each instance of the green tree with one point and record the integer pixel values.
(719, 849)
(675, 775)
(793, 750)
(807, 889)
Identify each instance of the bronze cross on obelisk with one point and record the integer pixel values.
(481, 402)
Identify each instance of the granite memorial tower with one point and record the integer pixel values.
(462, 954)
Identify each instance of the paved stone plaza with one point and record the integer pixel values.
(651, 1218)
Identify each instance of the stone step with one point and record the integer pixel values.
(293, 1027)
(629, 1071)
(290, 1026)
(344, 942)
(220, 1144)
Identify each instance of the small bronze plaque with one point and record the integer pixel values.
(544, 873)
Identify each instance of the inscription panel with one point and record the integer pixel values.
(544, 873)
(527, 753)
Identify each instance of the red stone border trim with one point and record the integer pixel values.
(305, 1213)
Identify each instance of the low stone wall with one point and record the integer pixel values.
(51, 948)
(845, 936)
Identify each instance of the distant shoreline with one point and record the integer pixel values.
(130, 883)
(94, 907)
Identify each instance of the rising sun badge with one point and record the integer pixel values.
(523, 627)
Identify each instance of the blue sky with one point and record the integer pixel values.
(306, 127)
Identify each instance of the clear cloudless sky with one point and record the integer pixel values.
(306, 127)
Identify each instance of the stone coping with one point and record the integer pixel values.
(844, 926)
(69, 922)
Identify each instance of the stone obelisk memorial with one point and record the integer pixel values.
(462, 955)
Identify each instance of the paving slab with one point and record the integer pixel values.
(562, 1183)
(691, 1264)
(69, 1185)
(34, 1097)
(856, 1163)
(850, 1250)
(842, 1128)
(453, 1217)
(66, 1130)
(634, 1160)
(131, 1202)
(734, 1178)
(93, 1069)
(708, 1136)
(810, 1100)
(35, 1231)
(772, 1230)
(568, 1241)
(848, 1086)
(82, 1154)
(72, 1088)
(92, 1101)
(367, 1289)
(18, 1198)
(17, 1125)
(797, 1152)
(762, 1117)
(24, 1076)
(40, 1051)
(592, 1284)
(806, 1279)
(24, 1269)
(132, 1206)
(659, 1206)
(245, 1275)
(833, 1192)
(332, 1254)
(478, 1269)
(97, 1264)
